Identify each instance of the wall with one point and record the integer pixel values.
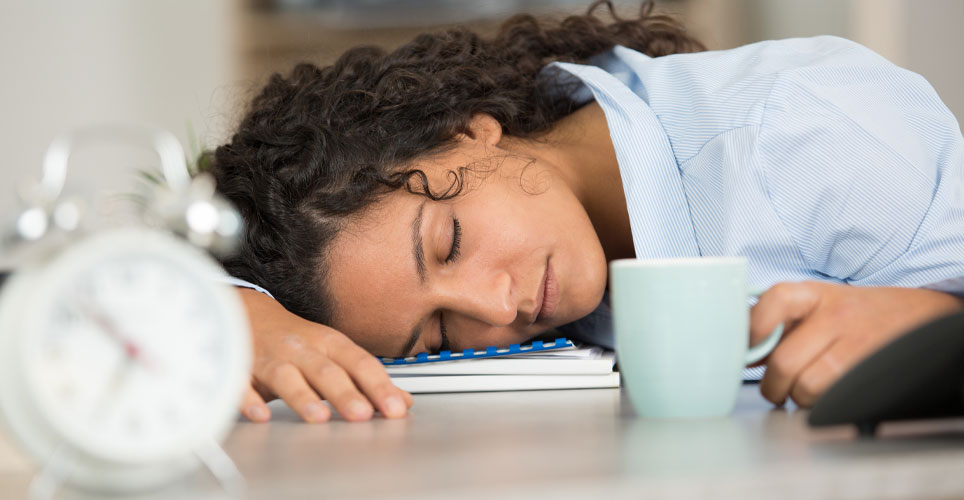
(67, 63)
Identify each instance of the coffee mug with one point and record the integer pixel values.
(682, 333)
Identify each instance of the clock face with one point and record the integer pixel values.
(133, 355)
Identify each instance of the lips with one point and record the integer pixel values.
(550, 295)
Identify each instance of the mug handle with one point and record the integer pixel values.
(763, 349)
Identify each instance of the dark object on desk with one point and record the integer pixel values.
(918, 375)
(3, 277)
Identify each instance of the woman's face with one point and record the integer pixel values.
(512, 256)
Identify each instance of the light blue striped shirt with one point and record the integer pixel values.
(816, 159)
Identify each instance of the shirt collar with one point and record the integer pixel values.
(658, 212)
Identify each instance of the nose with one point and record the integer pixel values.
(486, 297)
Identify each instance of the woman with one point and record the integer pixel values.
(461, 192)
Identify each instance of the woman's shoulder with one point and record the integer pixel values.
(700, 96)
(766, 59)
(791, 52)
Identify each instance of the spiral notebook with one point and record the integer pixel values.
(559, 365)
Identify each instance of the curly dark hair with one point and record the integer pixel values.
(324, 143)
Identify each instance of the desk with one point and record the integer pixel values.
(575, 444)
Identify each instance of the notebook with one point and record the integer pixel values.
(555, 365)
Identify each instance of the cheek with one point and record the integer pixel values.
(588, 280)
(594, 276)
(580, 255)
(515, 227)
(554, 223)
(505, 227)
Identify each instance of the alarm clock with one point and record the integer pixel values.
(123, 358)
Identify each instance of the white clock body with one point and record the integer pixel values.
(123, 354)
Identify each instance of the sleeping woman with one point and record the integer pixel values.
(460, 192)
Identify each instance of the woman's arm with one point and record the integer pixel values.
(303, 362)
(862, 164)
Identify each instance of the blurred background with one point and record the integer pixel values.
(189, 65)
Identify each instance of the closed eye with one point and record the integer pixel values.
(456, 241)
(453, 254)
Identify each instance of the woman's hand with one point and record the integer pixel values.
(302, 362)
(830, 328)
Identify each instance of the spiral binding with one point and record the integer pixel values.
(488, 352)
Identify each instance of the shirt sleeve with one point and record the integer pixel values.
(864, 166)
(953, 286)
(231, 280)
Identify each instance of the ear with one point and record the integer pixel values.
(483, 128)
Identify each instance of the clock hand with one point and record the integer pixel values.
(109, 327)
(133, 355)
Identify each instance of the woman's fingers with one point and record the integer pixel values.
(370, 376)
(301, 362)
(336, 369)
(390, 400)
(784, 303)
(852, 346)
(287, 382)
(821, 374)
(798, 352)
(802, 344)
(253, 407)
(334, 384)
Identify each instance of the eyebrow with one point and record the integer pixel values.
(417, 246)
(418, 251)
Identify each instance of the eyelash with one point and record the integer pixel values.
(453, 254)
(445, 340)
(456, 241)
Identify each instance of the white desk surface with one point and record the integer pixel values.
(571, 444)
